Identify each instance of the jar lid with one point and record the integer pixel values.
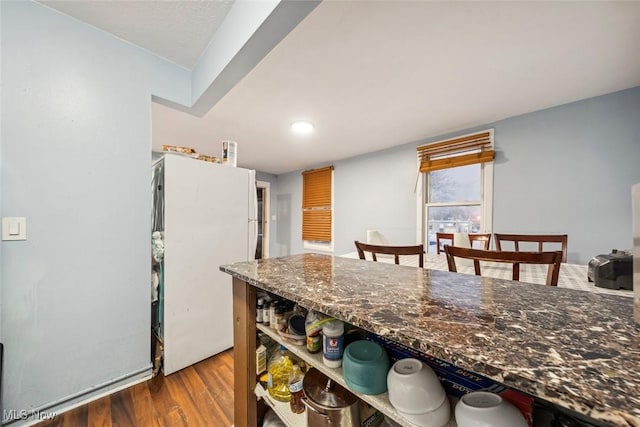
(324, 392)
(333, 327)
(296, 324)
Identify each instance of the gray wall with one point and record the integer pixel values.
(287, 206)
(1, 336)
(564, 169)
(76, 150)
(570, 169)
(373, 191)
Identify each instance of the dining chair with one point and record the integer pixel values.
(396, 251)
(516, 258)
(442, 236)
(484, 238)
(540, 239)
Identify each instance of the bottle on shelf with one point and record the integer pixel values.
(259, 310)
(280, 370)
(313, 327)
(281, 324)
(266, 309)
(295, 388)
(272, 314)
(333, 343)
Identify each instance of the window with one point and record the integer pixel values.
(458, 183)
(317, 208)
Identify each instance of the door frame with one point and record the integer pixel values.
(266, 190)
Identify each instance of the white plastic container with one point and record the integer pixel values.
(332, 343)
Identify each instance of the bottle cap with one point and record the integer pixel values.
(333, 328)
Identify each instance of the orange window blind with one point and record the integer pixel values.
(316, 204)
(462, 151)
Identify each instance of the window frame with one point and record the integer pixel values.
(485, 203)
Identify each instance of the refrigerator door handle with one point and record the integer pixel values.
(253, 239)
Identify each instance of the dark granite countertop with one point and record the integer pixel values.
(576, 349)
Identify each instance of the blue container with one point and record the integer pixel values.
(365, 365)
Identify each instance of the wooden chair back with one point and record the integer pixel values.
(516, 258)
(443, 236)
(396, 251)
(540, 239)
(483, 238)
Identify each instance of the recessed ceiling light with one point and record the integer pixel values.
(301, 127)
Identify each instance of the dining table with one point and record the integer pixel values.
(572, 276)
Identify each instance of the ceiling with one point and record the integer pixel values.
(373, 75)
(176, 30)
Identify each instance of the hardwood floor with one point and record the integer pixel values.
(200, 395)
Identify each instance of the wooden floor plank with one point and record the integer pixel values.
(182, 396)
(122, 412)
(219, 383)
(167, 409)
(99, 413)
(79, 417)
(145, 412)
(200, 395)
(206, 406)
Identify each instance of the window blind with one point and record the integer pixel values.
(462, 151)
(317, 204)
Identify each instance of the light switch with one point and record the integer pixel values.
(14, 228)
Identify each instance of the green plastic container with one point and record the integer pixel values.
(365, 365)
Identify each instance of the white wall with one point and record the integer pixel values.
(567, 169)
(76, 150)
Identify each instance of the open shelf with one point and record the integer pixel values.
(281, 409)
(378, 401)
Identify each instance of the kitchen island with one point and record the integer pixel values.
(576, 350)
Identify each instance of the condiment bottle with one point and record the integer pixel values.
(295, 388)
(333, 343)
(281, 324)
(272, 314)
(313, 327)
(259, 308)
(265, 314)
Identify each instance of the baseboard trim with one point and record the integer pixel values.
(68, 403)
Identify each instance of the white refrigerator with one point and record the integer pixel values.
(210, 213)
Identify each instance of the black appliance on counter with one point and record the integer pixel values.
(612, 271)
